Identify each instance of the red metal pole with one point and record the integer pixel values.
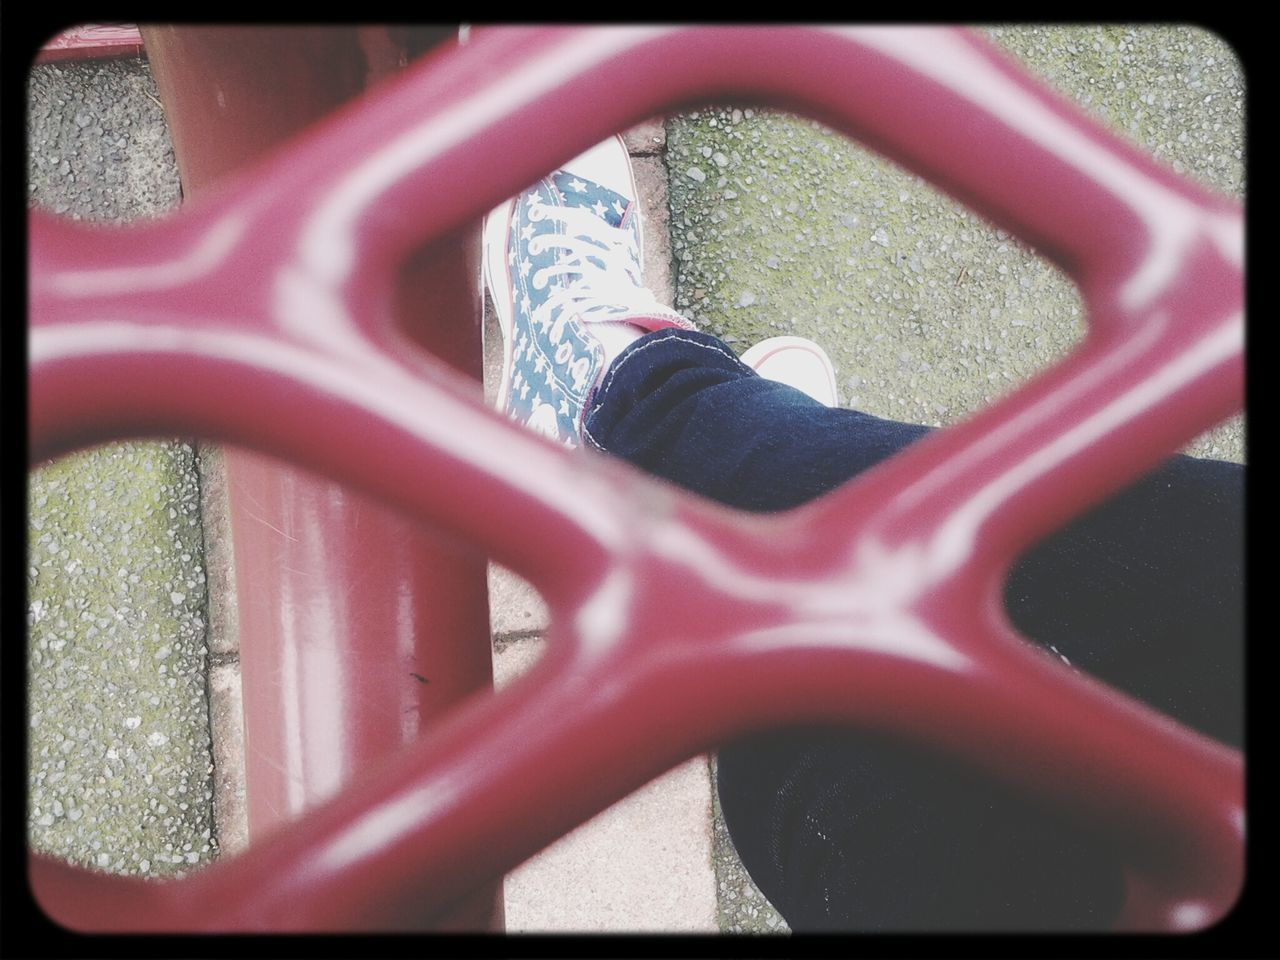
(357, 629)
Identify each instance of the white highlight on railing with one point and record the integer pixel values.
(388, 393)
(204, 258)
(312, 311)
(378, 829)
(1172, 222)
(328, 239)
(1190, 915)
(869, 609)
(602, 620)
(954, 538)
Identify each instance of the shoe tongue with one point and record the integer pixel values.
(608, 205)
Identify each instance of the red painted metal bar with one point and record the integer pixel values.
(92, 40)
(357, 630)
(260, 316)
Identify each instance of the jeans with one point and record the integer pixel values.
(847, 830)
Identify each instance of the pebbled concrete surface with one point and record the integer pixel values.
(97, 145)
(120, 772)
(781, 226)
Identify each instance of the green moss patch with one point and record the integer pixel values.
(120, 769)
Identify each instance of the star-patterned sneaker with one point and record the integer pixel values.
(563, 263)
(797, 362)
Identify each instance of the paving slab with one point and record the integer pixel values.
(515, 608)
(226, 722)
(641, 866)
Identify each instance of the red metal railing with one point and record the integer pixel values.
(92, 40)
(261, 315)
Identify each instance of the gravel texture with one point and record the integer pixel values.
(98, 147)
(119, 744)
(780, 226)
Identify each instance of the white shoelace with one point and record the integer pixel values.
(602, 273)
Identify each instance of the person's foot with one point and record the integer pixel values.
(797, 362)
(563, 263)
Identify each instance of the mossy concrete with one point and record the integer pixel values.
(119, 745)
(780, 226)
(118, 738)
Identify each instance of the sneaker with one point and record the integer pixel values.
(561, 259)
(797, 362)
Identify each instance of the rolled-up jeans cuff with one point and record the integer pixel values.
(646, 364)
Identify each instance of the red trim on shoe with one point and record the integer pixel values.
(651, 322)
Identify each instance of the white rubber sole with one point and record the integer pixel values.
(797, 362)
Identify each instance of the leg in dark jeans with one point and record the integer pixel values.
(844, 830)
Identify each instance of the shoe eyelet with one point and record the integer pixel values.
(539, 280)
(536, 212)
